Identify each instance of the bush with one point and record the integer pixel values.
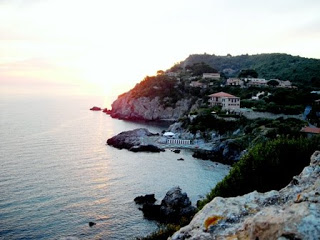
(269, 165)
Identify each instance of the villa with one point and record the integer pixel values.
(226, 100)
(256, 82)
(234, 82)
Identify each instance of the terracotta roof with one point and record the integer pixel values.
(310, 130)
(221, 94)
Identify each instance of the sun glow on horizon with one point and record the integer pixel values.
(103, 47)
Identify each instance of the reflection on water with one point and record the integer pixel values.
(57, 174)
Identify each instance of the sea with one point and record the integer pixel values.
(57, 174)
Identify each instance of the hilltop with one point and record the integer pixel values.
(274, 65)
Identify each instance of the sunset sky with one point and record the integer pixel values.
(105, 47)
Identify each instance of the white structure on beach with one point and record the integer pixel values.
(178, 141)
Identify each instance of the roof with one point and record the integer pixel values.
(310, 130)
(221, 94)
(167, 134)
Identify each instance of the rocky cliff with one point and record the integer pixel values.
(144, 108)
(291, 213)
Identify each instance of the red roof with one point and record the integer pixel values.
(221, 94)
(310, 130)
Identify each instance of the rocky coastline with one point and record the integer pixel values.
(291, 213)
(127, 107)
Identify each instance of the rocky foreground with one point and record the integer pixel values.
(291, 213)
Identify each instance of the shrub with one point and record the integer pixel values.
(268, 165)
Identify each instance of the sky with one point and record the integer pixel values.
(104, 47)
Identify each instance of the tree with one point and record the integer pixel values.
(273, 83)
(160, 72)
(248, 73)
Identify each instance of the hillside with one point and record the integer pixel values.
(274, 65)
(173, 93)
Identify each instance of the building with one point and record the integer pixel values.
(198, 84)
(234, 82)
(214, 76)
(310, 131)
(256, 82)
(226, 100)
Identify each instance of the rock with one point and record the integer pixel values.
(226, 152)
(95, 108)
(132, 140)
(146, 148)
(91, 224)
(146, 199)
(176, 205)
(180, 159)
(173, 207)
(107, 111)
(176, 150)
(291, 213)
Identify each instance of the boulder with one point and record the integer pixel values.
(91, 224)
(226, 152)
(174, 206)
(291, 213)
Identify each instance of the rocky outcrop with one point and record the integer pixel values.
(291, 213)
(173, 207)
(95, 108)
(146, 199)
(227, 152)
(134, 141)
(144, 108)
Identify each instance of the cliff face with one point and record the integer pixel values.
(144, 108)
(291, 213)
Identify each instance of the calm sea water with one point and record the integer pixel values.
(57, 174)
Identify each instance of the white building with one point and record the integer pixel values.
(226, 100)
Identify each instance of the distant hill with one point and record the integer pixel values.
(275, 65)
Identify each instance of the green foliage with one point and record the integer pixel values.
(248, 73)
(268, 165)
(269, 66)
(200, 68)
(207, 121)
(273, 83)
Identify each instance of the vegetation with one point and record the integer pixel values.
(163, 232)
(248, 73)
(198, 69)
(270, 66)
(265, 167)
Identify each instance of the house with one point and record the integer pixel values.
(214, 76)
(234, 82)
(256, 82)
(310, 131)
(198, 84)
(226, 100)
(285, 84)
